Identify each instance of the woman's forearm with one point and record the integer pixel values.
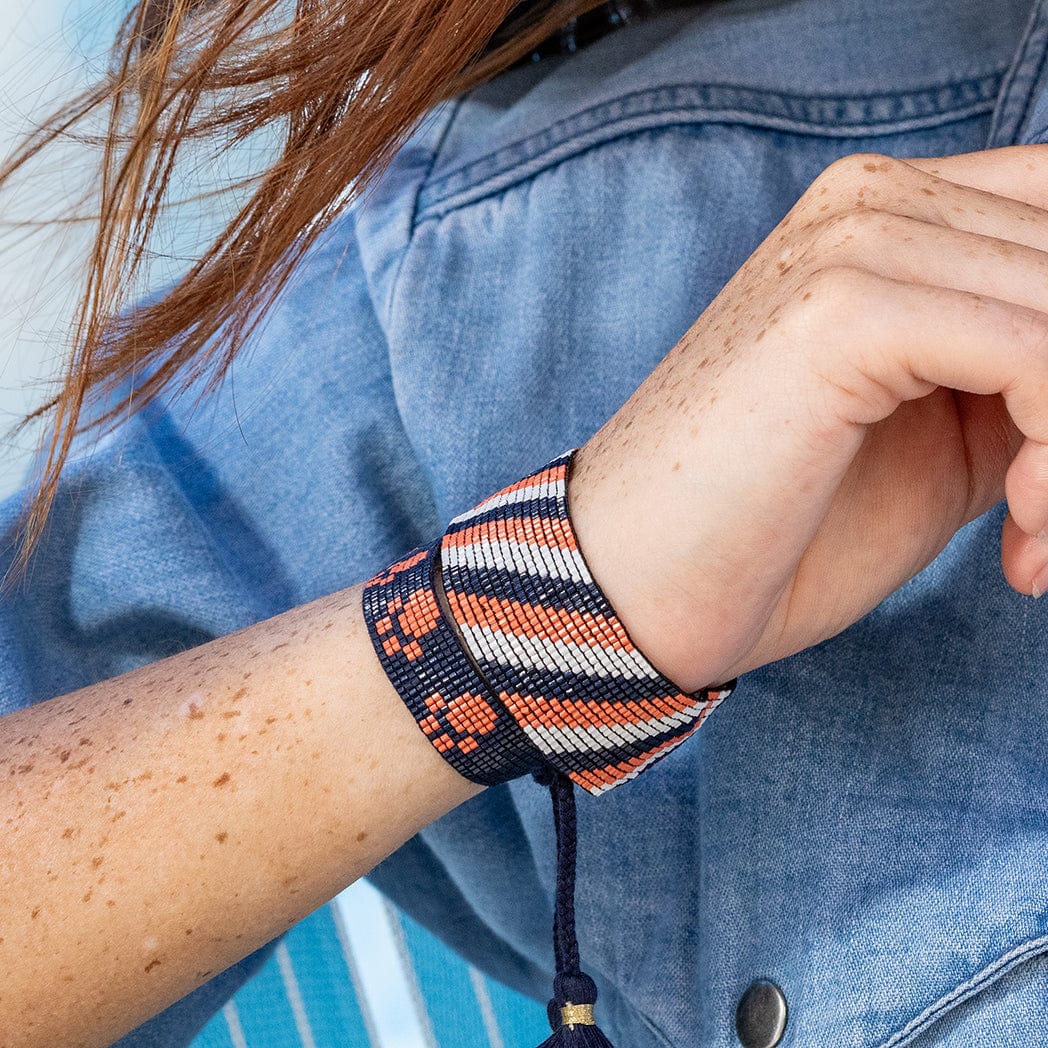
(161, 825)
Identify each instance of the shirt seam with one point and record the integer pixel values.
(837, 116)
(1020, 81)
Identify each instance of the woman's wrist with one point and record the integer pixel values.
(628, 555)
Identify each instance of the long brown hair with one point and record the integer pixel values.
(348, 79)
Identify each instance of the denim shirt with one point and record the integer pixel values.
(864, 823)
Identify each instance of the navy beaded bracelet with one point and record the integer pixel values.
(533, 668)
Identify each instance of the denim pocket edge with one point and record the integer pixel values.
(964, 991)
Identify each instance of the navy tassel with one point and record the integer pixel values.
(571, 1010)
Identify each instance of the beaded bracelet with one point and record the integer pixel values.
(532, 668)
(512, 661)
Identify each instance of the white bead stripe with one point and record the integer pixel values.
(507, 555)
(606, 736)
(554, 654)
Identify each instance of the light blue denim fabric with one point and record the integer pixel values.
(865, 823)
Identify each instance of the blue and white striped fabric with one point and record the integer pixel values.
(359, 974)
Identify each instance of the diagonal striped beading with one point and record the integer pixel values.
(535, 669)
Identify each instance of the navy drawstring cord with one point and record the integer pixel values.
(574, 992)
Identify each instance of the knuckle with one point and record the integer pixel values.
(845, 170)
(1028, 329)
(830, 289)
(838, 229)
(829, 303)
(853, 233)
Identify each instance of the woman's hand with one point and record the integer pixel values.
(874, 377)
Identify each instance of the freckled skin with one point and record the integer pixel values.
(170, 863)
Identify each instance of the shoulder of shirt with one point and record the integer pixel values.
(835, 68)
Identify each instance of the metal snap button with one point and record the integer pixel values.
(760, 1019)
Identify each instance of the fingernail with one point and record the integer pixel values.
(1040, 583)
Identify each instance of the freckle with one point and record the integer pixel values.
(110, 903)
(241, 738)
(119, 815)
(220, 737)
(69, 831)
(97, 861)
(309, 683)
(362, 836)
(182, 778)
(238, 694)
(221, 837)
(222, 779)
(152, 964)
(329, 625)
(87, 895)
(271, 720)
(246, 675)
(24, 768)
(64, 756)
(822, 192)
(127, 702)
(806, 296)
(825, 207)
(230, 714)
(869, 167)
(676, 467)
(189, 931)
(195, 712)
(760, 334)
(85, 742)
(35, 913)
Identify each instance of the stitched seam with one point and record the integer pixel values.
(1023, 76)
(456, 107)
(503, 181)
(666, 106)
(963, 991)
(817, 111)
(394, 284)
